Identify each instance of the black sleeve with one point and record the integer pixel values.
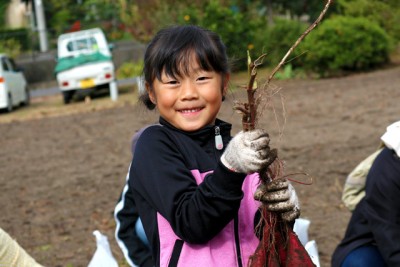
(164, 182)
(383, 205)
(126, 215)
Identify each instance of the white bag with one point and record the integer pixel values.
(312, 250)
(301, 229)
(103, 256)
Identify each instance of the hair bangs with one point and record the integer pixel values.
(181, 61)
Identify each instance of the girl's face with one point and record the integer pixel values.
(189, 102)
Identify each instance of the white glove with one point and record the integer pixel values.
(248, 152)
(279, 196)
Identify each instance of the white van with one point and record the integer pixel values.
(84, 61)
(13, 85)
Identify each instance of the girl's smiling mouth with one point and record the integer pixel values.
(190, 111)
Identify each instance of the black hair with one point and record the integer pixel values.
(171, 48)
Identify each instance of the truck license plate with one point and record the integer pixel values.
(87, 83)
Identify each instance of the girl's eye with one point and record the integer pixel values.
(171, 82)
(203, 78)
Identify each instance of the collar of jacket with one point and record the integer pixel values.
(205, 134)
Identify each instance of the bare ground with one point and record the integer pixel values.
(63, 167)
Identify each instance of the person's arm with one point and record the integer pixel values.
(12, 254)
(354, 187)
(382, 209)
(135, 251)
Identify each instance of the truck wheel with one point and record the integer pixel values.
(67, 96)
(9, 103)
(27, 97)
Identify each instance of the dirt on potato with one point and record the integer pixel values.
(63, 167)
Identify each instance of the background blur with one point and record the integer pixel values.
(356, 35)
(63, 166)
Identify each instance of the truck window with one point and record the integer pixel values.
(14, 66)
(82, 44)
(4, 64)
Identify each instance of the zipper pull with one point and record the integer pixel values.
(218, 139)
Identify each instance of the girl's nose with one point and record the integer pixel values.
(189, 91)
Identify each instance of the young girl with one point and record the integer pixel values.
(192, 183)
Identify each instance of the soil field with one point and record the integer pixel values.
(63, 167)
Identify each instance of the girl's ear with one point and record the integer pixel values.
(225, 84)
(150, 92)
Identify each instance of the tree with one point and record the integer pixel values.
(3, 6)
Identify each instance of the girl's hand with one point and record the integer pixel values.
(248, 152)
(279, 196)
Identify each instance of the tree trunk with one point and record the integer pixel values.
(270, 15)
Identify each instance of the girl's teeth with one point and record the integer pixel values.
(190, 110)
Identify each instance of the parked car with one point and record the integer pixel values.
(13, 86)
(84, 63)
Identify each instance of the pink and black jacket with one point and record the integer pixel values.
(194, 210)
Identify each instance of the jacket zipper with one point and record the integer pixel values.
(219, 144)
(237, 242)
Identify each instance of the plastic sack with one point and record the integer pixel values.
(312, 250)
(102, 256)
(301, 229)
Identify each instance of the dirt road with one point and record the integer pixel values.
(62, 172)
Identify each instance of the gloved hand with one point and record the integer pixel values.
(279, 196)
(248, 152)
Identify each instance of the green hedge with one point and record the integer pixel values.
(130, 70)
(236, 30)
(21, 36)
(280, 37)
(345, 44)
(385, 13)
